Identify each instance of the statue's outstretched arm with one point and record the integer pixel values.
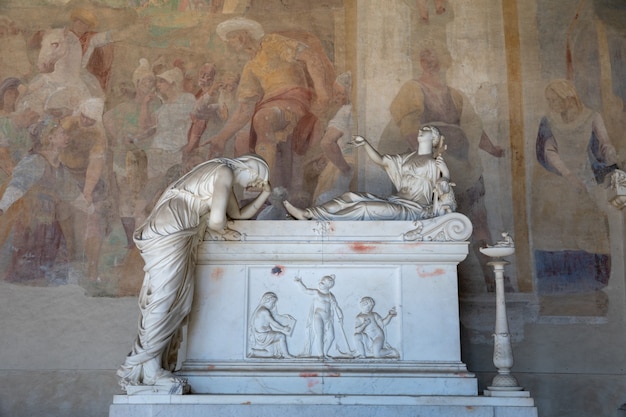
(373, 154)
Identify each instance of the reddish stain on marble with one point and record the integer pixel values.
(246, 403)
(334, 375)
(437, 272)
(312, 382)
(312, 379)
(362, 247)
(217, 274)
(210, 367)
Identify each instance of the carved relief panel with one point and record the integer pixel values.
(323, 314)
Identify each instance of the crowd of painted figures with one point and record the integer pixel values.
(74, 163)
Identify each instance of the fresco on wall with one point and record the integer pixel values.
(577, 147)
(104, 105)
(117, 99)
(429, 100)
(430, 97)
(144, 91)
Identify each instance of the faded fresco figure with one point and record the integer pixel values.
(189, 75)
(129, 127)
(228, 103)
(568, 219)
(9, 92)
(172, 124)
(61, 75)
(15, 140)
(369, 331)
(97, 47)
(269, 330)
(283, 90)
(15, 143)
(93, 57)
(421, 178)
(336, 176)
(228, 84)
(595, 61)
(49, 192)
(429, 100)
(203, 198)
(85, 157)
(207, 112)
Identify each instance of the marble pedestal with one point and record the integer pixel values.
(312, 353)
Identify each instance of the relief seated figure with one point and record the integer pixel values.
(268, 334)
(421, 178)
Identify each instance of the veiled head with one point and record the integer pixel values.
(251, 169)
(268, 299)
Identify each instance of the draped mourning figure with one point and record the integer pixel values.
(203, 198)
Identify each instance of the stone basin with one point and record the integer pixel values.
(498, 251)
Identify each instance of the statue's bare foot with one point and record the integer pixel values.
(296, 212)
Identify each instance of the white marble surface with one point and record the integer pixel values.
(405, 267)
(320, 405)
(415, 278)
